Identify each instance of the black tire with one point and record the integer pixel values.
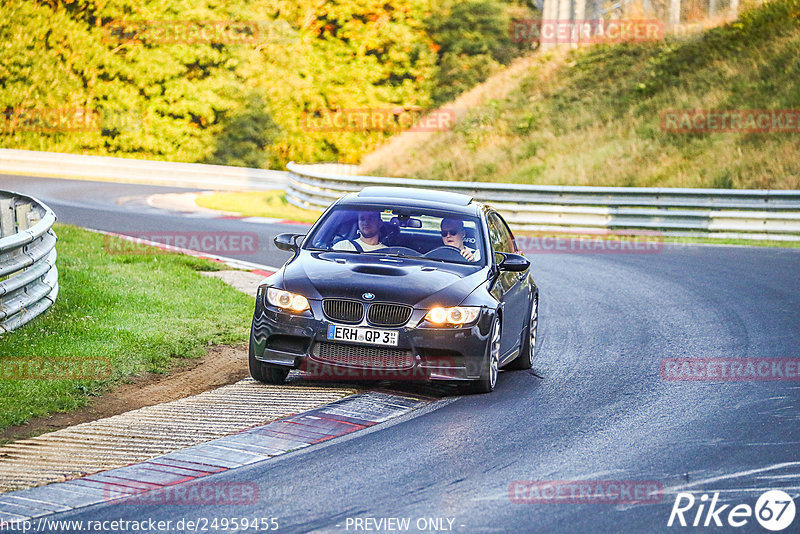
(264, 372)
(490, 367)
(528, 344)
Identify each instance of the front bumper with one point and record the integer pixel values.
(421, 354)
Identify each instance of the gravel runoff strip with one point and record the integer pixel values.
(148, 451)
(142, 434)
(134, 435)
(186, 205)
(245, 281)
(151, 431)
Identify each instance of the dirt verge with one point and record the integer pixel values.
(221, 365)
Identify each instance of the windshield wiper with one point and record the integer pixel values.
(450, 262)
(314, 249)
(391, 254)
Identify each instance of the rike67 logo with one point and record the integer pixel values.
(774, 510)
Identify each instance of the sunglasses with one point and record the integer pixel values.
(450, 232)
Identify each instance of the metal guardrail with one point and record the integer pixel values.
(28, 273)
(716, 213)
(194, 175)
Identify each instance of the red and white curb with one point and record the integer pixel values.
(186, 204)
(172, 475)
(262, 220)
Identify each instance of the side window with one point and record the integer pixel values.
(512, 244)
(494, 234)
(499, 234)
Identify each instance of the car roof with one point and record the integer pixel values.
(411, 197)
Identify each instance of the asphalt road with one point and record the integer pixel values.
(601, 410)
(123, 208)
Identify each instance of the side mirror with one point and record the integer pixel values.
(287, 242)
(513, 263)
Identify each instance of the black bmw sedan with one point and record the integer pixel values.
(398, 284)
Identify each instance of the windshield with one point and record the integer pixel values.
(414, 233)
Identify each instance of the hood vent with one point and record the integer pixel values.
(384, 270)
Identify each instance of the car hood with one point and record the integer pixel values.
(417, 283)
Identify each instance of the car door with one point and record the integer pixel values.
(510, 287)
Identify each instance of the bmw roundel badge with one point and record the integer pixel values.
(368, 296)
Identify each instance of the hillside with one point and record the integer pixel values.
(593, 116)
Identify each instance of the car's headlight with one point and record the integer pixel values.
(287, 300)
(454, 315)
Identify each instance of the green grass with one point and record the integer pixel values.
(738, 242)
(592, 116)
(142, 312)
(257, 204)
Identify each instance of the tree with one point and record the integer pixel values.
(473, 39)
(246, 137)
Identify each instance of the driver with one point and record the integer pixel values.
(453, 234)
(369, 226)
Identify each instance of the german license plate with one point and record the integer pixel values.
(362, 335)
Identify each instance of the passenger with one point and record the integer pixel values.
(453, 234)
(369, 228)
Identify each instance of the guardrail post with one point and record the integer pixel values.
(7, 217)
(22, 217)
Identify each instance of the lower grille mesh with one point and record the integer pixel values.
(357, 356)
